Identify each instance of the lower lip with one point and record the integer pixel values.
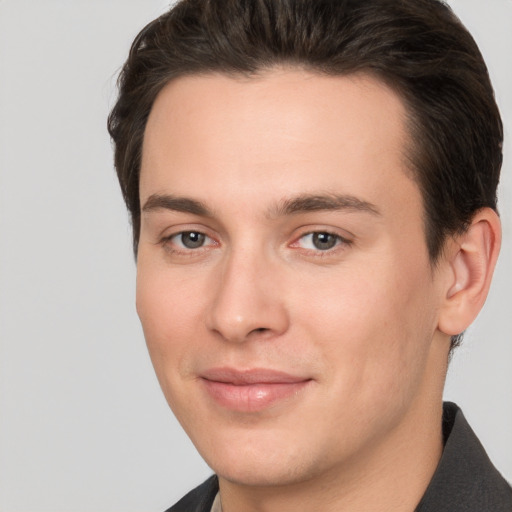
(253, 397)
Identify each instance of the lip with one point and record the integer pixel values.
(251, 390)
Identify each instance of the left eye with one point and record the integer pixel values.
(319, 241)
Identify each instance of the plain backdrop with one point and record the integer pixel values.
(83, 424)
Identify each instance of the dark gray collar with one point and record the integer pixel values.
(465, 479)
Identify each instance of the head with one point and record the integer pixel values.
(396, 95)
(419, 49)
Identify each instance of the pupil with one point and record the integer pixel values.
(192, 240)
(324, 241)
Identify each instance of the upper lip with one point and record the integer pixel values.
(251, 376)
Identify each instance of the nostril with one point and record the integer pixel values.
(260, 329)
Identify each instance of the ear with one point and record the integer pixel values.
(470, 259)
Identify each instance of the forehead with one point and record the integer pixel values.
(296, 130)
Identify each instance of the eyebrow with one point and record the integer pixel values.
(177, 204)
(323, 202)
(300, 204)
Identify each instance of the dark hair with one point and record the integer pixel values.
(417, 47)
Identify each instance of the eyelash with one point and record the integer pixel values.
(340, 243)
(167, 243)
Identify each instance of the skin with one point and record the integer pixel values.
(366, 322)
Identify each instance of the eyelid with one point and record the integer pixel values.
(169, 230)
(343, 241)
(186, 249)
(165, 240)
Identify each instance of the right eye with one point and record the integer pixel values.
(189, 240)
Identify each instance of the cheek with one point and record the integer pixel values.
(167, 299)
(373, 325)
(170, 310)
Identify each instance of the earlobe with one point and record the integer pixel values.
(471, 258)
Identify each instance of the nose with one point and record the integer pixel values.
(248, 299)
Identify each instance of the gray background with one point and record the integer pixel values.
(83, 425)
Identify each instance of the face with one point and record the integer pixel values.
(283, 281)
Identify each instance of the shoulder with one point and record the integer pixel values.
(465, 479)
(199, 499)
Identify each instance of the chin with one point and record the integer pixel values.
(258, 458)
(261, 473)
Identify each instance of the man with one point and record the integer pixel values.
(312, 185)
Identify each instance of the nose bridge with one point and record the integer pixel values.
(247, 298)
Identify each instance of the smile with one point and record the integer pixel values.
(252, 390)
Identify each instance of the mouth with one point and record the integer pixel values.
(251, 390)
